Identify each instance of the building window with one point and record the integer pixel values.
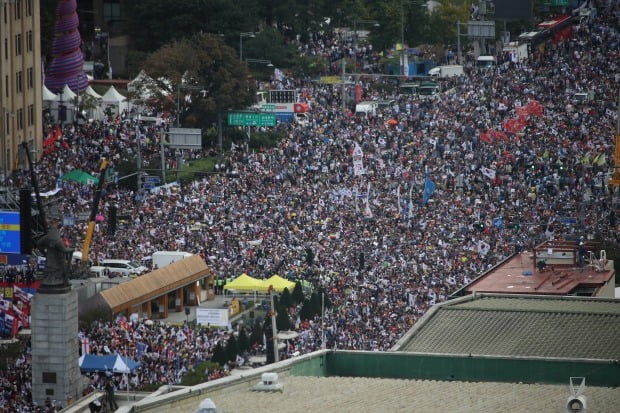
(6, 85)
(6, 49)
(19, 82)
(18, 9)
(20, 119)
(30, 115)
(18, 44)
(30, 80)
(29, 41)
(6, 13)
(7, 118)
(111, 12)
(28, 7)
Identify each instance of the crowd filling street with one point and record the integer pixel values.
(509, 142)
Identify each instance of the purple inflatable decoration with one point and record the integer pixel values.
(66, 67)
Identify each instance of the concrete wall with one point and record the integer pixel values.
(187, 399)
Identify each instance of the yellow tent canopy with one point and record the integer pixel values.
(279, 283)
(245, 283)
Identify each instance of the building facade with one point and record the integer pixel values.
(21, 80)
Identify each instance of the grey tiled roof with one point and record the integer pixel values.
(359, 394)
(519, 326)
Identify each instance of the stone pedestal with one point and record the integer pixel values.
(55, 348)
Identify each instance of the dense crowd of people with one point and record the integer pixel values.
(383, 243)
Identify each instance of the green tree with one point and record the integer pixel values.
(219, 355)
(232, 349)
(47, 13)
(306, 312)
(256, 337)
(286, 301)
(150, 23)
(298, 293)
(443, 20)
(283, 321)
(242, 341)
(210, 73)
(270, 45)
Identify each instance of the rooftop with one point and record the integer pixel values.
(520, 326)
(358, 394)
(559, 275)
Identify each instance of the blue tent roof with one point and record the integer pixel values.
(91, 363)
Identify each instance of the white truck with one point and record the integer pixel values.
(518, 51)
(366, 109)
(486, 62)
(446, 71)
(163, 258)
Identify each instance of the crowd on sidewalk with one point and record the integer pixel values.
(388, 217)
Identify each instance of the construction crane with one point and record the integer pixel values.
(615, 177)
(93, 211)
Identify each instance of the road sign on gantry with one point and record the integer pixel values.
(251, 119)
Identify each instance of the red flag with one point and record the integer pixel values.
(522, 111)
(15, 327)
(535, 108)
(514, 125)
(499, 135)
(486, 136)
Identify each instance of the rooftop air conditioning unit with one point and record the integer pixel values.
(576, 402)
(269, 382)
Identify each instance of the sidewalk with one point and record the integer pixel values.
(220, 301)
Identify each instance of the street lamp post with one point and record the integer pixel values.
(98, 34)
(241, 36)
(355, 22)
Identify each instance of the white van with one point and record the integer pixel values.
(366, 109)
(302, 118)
(486, 62)
(124, 267)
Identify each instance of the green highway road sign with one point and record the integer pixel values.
(251, 119)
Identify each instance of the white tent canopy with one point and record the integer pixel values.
(112, 97)
(48, 96)
(145, 87)
(91, 92)
(67, 94)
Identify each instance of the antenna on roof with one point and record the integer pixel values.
(576, 402)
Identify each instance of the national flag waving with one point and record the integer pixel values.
(22, 295)
(486, 136)
(429, 190)
(488, 172)
(535, 108)
(499, 135)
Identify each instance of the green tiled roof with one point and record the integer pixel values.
(525, 327)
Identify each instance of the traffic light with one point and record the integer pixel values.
(25, 221)
(112, 220)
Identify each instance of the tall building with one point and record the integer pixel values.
(21, 83)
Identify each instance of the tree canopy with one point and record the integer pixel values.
(206, 69)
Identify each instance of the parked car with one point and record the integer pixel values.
(124, 267)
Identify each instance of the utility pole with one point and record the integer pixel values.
(402, 39)
(163, 155)
(344, 86)
(139, 157)
(274, 329)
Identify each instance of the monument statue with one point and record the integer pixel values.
(56, 272)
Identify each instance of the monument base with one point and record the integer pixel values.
(55, 348)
